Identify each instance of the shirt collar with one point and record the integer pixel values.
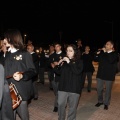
(109, 51)
(32, 52)
(59, 52)
(12, 50)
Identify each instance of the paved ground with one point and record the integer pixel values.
(42, 109)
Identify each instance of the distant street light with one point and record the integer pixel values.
(25, 38)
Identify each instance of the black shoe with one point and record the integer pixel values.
(55, 109)
(36, 98)
(89, 90)
(105, 107)
(51, 89)
(98, 104)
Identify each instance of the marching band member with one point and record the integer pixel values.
(70, 84)
(20, 66)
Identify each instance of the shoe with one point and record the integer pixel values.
(51, 89)
(105, 107)
(36, 98)
(89, 90)
(98, 104)
(55, 109)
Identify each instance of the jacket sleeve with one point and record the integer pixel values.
(76, 67)
(31, 71)
(1, 82)
(57, 70)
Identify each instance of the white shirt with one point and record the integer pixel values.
(59, 52)
(109, 51)
(12, 50)
(32, 52)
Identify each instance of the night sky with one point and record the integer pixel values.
(42, 20)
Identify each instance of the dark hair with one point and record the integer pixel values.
(51, 45)
(14, 38)
(111, 42)
(77, 53)
(57, 43)
(79, 39)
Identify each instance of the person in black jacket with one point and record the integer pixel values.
(42, 63)
(4, 54)
(88, 68)
(19, 65)
(70, 84)
(106, 73)
(80, 46)
(50, 69)
(57, 55)
(30, 49)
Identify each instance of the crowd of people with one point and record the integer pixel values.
(67, 70)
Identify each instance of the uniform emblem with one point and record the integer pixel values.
(19, 57)
(60, 57)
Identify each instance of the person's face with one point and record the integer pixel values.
(29, 49)
(40, 49)
(108, 46)
(79, 43)
(87, 48)
(57, 48)
(4, 48)
(51, 48)
(70, 52)
(5, 42)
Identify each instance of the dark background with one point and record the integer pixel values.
(42, 20)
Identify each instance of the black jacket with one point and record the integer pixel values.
(87, 62)
(56, 58)
(21, 61)
(35, 61)
(107, 65)
(50, 69)
(70, 77)
(3, 58)
(42, 60)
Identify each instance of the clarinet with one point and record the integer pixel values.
(62, 63)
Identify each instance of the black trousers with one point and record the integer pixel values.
(41, 74)
(89, 79)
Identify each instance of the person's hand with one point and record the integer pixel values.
(60, 61)
(52, 65)
(17, 76)
(83, 53)
(104, 49)
(55, 63)
(98, 52)
(66, 59)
